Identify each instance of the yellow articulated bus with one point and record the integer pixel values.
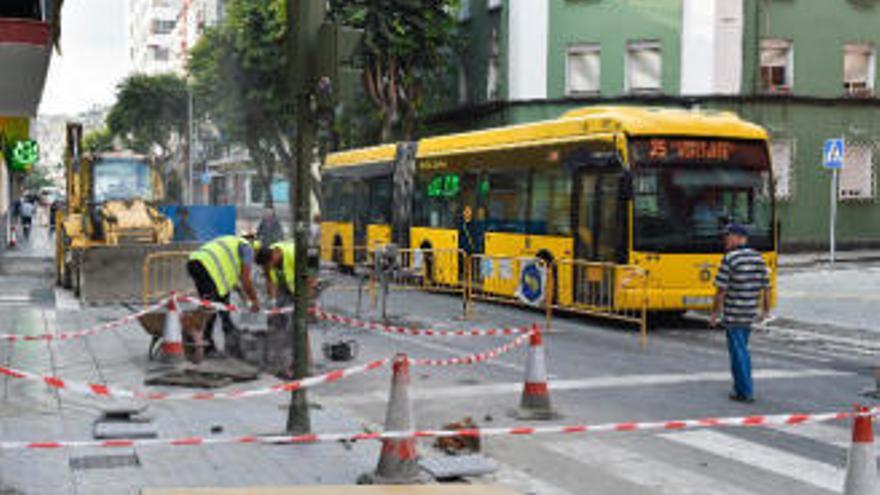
(630, 188)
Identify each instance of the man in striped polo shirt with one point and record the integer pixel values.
(743, 283)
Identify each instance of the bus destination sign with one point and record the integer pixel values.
(682, 150)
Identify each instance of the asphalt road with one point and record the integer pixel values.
(600, 373)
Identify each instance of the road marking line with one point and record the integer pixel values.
(451, 350)
(776, 461)
(521, 481)
(819, 432)
(641, 470)
(793, 333)
(825, 296)
(423, 393)
(798, 355)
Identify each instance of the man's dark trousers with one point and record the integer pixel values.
(208, 291)
(740, 360)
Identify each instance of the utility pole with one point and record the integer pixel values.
(305, 17)
(321, 54)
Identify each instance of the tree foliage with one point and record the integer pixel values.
(407, 44)
(150, 113)
(240, 78)
(98, 140)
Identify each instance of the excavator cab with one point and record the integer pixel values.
(111, 217)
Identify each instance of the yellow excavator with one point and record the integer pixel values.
(110, 222)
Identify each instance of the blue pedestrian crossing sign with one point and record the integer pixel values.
(832, 154)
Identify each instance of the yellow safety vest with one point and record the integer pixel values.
(221, 259)
(287, 264)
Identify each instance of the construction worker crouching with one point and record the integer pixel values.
(217, 268)
(278, 263)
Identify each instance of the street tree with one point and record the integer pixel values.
(406, 45)
(150, 114)
(240, 79)
(98, 140)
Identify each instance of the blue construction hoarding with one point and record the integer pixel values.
(200, 223)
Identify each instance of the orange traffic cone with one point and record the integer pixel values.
(861, 464)
(535, 402)
(398, 462)
(172, 336)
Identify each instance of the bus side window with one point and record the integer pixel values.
(551, 203)
(508, 202)
(380, 200)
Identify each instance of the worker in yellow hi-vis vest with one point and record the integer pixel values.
(278, 262)
(217, 268)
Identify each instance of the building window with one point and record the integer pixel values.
(582, 69)
(858, 69)
(856, 179)
(643, 64)
(159, 53)
(493, 72)
(161, 26)
(781, 155)
(777, 61)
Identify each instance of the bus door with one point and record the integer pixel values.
(599, 216)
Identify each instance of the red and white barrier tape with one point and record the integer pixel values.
(231, 308)
(746, 421)
(98, 390)
(475, 358)
(427, 332)
(78, 334)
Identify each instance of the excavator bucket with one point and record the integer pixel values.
(132, 273)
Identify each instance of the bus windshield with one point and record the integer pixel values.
(683, 206)
(122, 178)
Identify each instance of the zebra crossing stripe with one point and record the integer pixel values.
(780, 462)
(638, 469)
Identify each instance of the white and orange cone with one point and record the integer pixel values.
(398, 462)
(172, 336)
(535, 402)
(861, 464)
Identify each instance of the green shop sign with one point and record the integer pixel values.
(23, 154)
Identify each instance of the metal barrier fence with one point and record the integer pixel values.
(498, 278)
(165, 272)
(378, 271)
(605, 290)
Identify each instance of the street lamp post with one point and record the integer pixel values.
(190, 147)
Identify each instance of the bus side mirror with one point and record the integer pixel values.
(625, 187)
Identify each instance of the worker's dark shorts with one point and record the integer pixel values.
(204, 283)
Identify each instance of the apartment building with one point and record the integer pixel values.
(804, 69)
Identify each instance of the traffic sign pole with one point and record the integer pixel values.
(833, 157)
(833, 219)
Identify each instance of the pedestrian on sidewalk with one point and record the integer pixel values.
(27, 218)
(269, 231)
(743, 283)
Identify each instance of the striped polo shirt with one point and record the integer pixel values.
(742, 275)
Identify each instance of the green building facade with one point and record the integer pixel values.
(804, 69)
